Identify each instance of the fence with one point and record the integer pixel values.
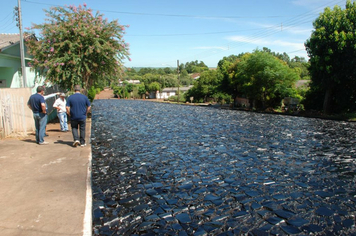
(15, 116)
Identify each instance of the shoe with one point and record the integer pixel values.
(83, 145)
(44, 143)
(76, 143)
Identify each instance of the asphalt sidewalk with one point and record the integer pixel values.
(45, 189)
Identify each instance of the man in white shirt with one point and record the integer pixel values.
(60, 105)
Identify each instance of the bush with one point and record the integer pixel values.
(222, 98)
(92, 92)
(174, 98)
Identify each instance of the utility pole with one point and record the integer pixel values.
(22, 47)
(178, 80)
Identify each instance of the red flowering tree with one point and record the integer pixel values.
(77, 47)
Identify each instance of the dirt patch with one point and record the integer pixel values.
(105, 94)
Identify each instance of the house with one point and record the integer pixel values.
(15, 117)
(10, 64)
(195, 76)
(171, 91)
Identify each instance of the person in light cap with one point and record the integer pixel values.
(60, 105)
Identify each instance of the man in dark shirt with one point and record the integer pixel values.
(38, 106)
(78, 106)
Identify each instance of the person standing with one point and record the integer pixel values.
(37, 104)
(77, 107)
(60, 105)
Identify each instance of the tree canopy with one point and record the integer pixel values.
(332, 51)
(264, 79)
(76, 46)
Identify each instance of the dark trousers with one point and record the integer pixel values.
(81, 124)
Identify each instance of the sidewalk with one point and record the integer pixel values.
(44, 187)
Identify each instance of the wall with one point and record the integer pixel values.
(15, 116)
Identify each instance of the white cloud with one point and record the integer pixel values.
(267, 43)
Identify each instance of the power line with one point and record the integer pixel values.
(172, 15)
(193, 34)
(6, 17)
(293, 22)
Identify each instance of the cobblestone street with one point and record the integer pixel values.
(165, 169)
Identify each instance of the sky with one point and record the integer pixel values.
(163, 32)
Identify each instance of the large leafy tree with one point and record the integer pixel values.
(76, 46)
(264, 79)
(227, 68)
(332, 51)
(205, 87)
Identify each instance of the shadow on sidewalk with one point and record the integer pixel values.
(29, 140)
(69, 143)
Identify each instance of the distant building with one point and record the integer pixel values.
(195, 76)
(129, 81)
(169, 92)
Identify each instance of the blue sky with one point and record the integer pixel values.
(164, 31)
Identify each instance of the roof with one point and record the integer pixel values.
(7, 40)
(195, 75)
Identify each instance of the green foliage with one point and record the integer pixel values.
(265, 79)
(92, 92)
(77, 47)
(175, 98)
(332, 51)
(227, 68)
(204, 87)
(121, 92)
(141, 89)
(154, 86)
(222, 98)
(195, 67)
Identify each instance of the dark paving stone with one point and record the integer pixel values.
(348, 223)
(313, 228)
(290, 229)
(324, 211)
(274, 220)
(297, 222)
(284, 214)
(183, 218)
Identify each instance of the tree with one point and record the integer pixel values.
(227, 68)
(194, 67)
(204, 87)
(141, 89)
(77, 47)
(332, 51)
(264, 79)
(154, 86)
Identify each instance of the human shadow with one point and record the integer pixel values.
(69, 143)
(29, 140)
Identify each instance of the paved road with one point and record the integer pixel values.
(44, 188)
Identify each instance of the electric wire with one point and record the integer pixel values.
(262, 33)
